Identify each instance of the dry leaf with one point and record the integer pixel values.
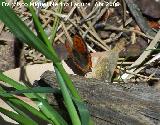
(106, 64)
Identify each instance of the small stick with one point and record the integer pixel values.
(67, 34)
(143, 56)
(135, 11)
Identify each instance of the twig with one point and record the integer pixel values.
(54, 13)
(83, 13)
(143, 56)
(139, 75)
(70, 13)
(135, 11)
(90, 14)
(97, 43)
(155, 58)
(99, 15)
(109, 27)
(119, 34)
(95, 36)
(149, 62)
(90, 48)
(91, 6)
(67, 34)
(61, 34)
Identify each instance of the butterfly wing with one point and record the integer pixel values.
(79, 55)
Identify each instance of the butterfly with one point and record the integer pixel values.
(79, 58)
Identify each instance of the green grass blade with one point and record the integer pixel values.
(83, 111)
(56, 22)
(42, 104)
(6, 79)
(37, 90)
(19, 102)
(68, 81)
(67, 99)
(30, 108)
(15, 108)
(14, 84)
(51, 113)
(17, 117)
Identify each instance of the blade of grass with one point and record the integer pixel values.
(17, 117)
(48, 111)
(76, 96)
(51, 113)
(74, 93)
(42, 103)
(68, 81)
(83, 112)
(56, 22)
(37, 90)
(30, 108)
(23, 33)
(19, 102)
(13, 83)
(14, 107)
(68, 101)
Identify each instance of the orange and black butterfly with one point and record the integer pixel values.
(79, 58)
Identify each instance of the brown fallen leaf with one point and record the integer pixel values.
(107, 63)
